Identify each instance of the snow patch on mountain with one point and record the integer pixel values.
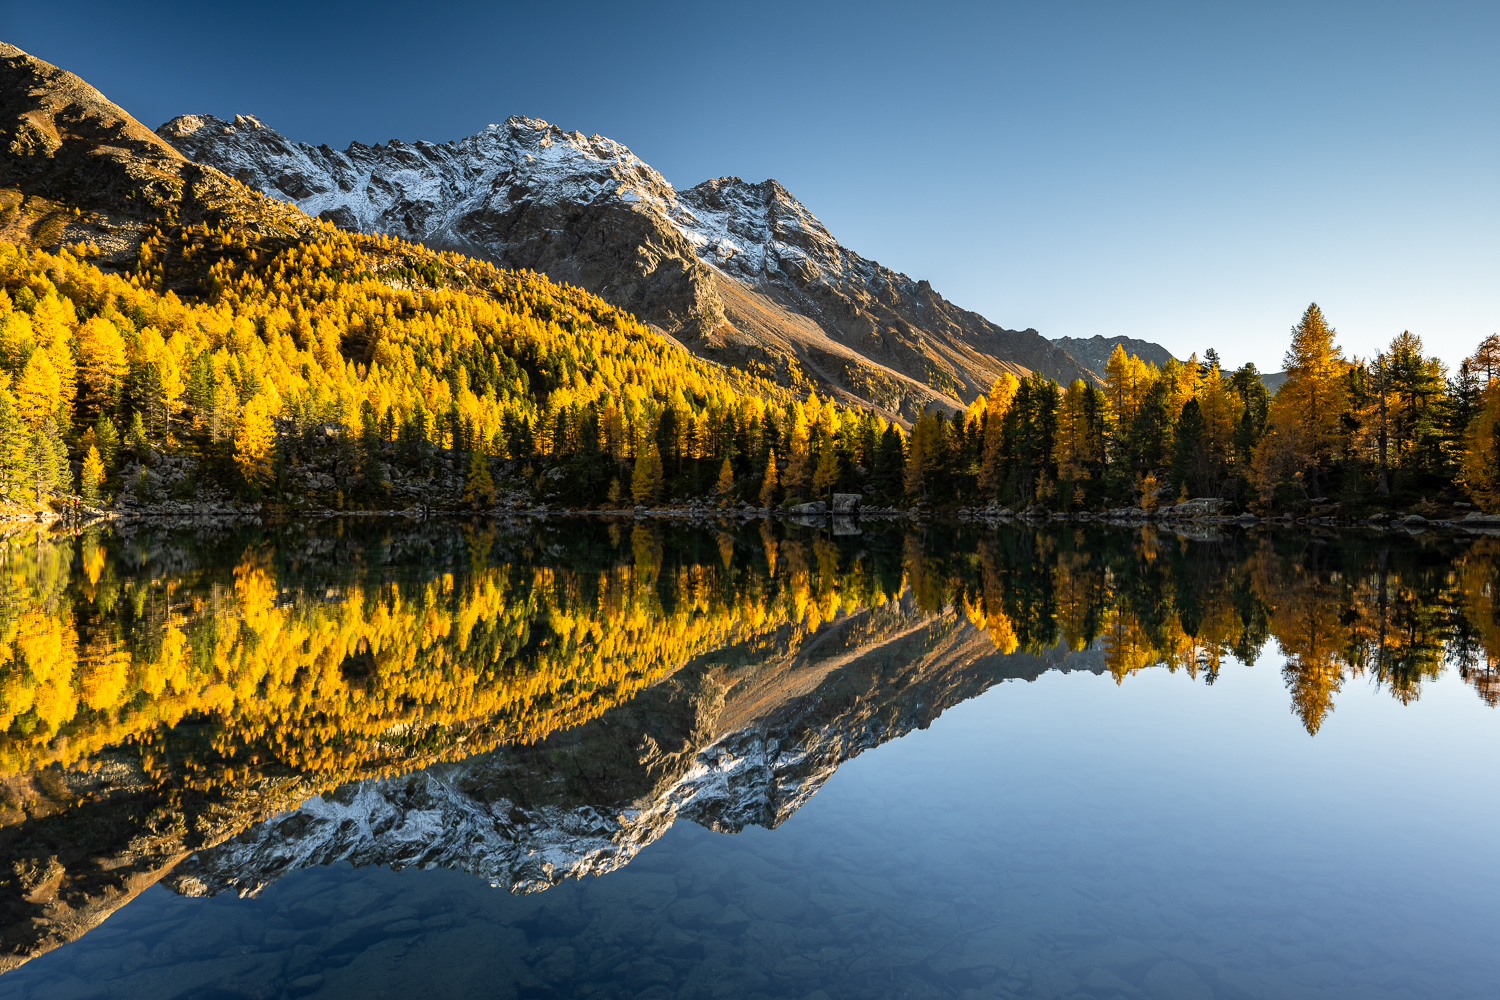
(417, 190)
(758, 231)
(422, 190)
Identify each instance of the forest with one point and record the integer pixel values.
(349, 371)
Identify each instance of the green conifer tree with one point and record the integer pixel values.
(108, 440)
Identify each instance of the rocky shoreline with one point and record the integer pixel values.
(844, 516)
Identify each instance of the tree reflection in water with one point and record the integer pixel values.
(164, 689)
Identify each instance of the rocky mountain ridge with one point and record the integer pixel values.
(740, 272)
(1094, 352)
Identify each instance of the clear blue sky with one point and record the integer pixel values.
(1192, 174)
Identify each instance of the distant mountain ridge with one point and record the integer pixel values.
(1094, 352)
(740, 272)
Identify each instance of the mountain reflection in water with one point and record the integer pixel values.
(534, 701)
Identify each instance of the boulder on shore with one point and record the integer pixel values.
(1199, 507)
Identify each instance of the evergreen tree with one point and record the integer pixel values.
(136, 437)
(1464, 394)
(46, 461)
(1151, 430)
(890, 462)
(371, 454)
(1418, 385)
(1190, 465)
(108, 440)
(1030, 437)
(15, 447)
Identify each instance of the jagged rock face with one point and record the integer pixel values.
(742, 272)
(524, 194)
(889, 337)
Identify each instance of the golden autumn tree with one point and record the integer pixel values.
(768, 481)
(1126, 380)
(827, 471)
(255, 438)
(799, 456)
(92, 477)
(1479, 459)
(102, 364)
(1002, 394)
(38, 390)
(479, 485)
(1080, 438)
(1304, 430)
(53, 321)
(645, 480)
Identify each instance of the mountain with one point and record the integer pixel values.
(742, 273)
(1093, 352)
(211, 297)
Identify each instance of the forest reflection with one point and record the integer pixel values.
(350, 649)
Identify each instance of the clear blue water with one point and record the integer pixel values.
(1067, 837)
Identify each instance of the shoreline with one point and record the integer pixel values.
(1472, 523)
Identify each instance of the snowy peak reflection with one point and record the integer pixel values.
(733, 740)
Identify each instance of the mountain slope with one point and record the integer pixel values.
(884, 334)
(579, 209)
(76, 168)
(742, 273)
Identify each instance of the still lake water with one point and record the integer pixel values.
(939, 762)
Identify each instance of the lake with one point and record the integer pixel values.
(612, 758)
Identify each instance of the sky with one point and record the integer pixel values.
(1190, 174)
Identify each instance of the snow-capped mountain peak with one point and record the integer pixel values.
(743, 272)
